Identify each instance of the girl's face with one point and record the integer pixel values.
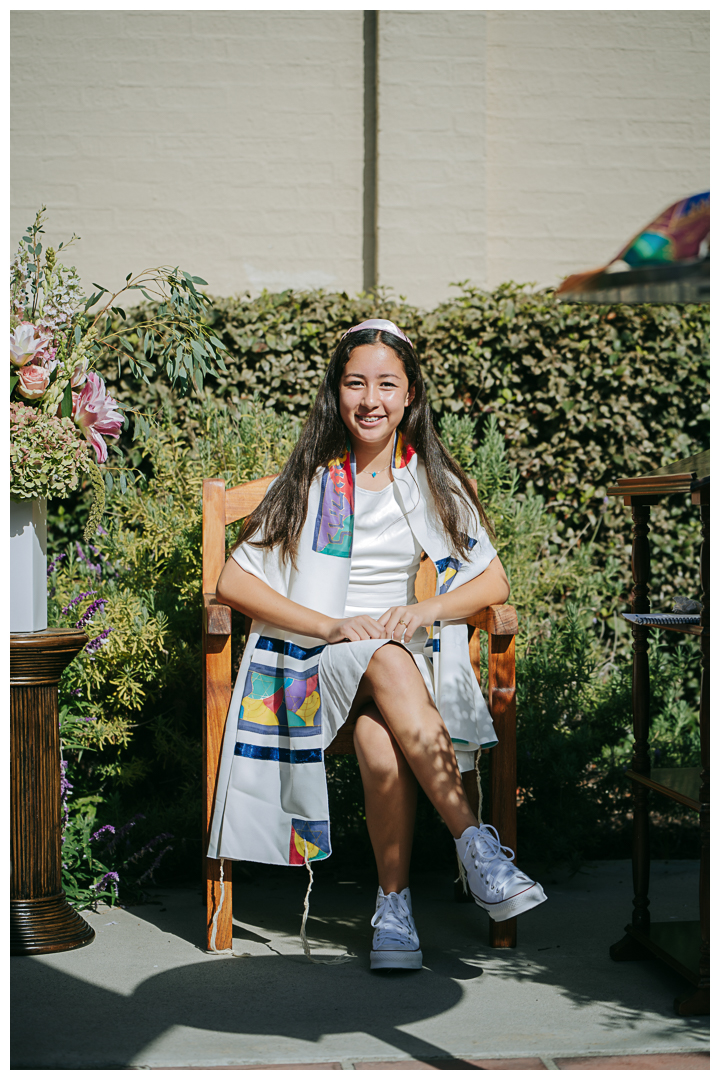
(374, 392)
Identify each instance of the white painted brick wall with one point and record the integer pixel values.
(513, 144)
(228, 142)
(596, 120)
(431, 149)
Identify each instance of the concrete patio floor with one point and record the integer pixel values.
(145, 995)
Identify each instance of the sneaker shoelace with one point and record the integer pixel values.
(392, 921)
(497, 860)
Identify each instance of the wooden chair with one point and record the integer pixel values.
(221, 508)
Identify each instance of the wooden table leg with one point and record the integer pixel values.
(628, 948)
(698, 1002)
(41, 920)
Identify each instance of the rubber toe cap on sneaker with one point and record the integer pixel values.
(395, 958)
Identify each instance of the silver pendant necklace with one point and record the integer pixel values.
(374, 474)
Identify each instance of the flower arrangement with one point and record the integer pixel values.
(60, 411)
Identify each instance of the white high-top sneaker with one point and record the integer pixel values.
(395, 942)
(495, 882)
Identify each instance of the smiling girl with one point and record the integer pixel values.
(326, 569)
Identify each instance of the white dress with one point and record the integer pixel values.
(385, 560)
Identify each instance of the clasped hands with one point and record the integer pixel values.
(395, 624)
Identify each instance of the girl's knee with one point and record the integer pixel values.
(392, 662)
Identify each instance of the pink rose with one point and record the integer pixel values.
(33, 381)
(95, 414)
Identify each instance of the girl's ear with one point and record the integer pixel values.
(410, 396)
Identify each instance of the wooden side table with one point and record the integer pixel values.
(685, 946)
(41, 920)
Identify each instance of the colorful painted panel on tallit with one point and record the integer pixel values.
(308, 840)
(334, 521)
(281, 694)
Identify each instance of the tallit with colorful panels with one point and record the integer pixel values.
(271, 803)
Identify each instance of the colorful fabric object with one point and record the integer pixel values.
(334, 521)
(680, 235)
(271, 802)
(676, 235)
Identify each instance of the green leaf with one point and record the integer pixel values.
(66, 407)
(108, 481)
(14, 379)
(93, 299)
(77, 335)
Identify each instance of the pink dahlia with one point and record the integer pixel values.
(95, 414)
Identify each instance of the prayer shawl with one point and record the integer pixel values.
(271, 803)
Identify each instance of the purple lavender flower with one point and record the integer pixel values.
(101, 830)
(77, 692)
(150, 846)
(82, 557)
(65, 789)
(96, 606)
(81, 596)
(54, 563)
(93, 646)
(101, 531)
(151, 870)
(121, 833)
(112, 878)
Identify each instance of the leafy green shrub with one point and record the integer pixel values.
(582, 394)
(575, 742)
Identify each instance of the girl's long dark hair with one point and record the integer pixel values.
(282, 513)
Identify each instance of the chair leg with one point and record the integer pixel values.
(216, 702)
(503, 762)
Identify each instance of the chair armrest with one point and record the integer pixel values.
(217, 618)
(498, 619)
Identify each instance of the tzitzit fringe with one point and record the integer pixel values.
(306, 911)
(462, 876)
(216, 916)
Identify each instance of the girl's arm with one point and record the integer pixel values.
(248, 594)
(490, 587)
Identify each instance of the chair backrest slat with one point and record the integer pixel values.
(425, 580)
(213, 533)
(241, 501)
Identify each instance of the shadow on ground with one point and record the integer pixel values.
(270, 991)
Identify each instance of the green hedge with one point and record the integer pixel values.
(582, 394)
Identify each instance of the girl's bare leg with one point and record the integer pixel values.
(390, 797)
(393, 682)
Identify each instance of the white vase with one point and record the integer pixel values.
(28, 566)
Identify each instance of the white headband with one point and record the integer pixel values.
(379, 324)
